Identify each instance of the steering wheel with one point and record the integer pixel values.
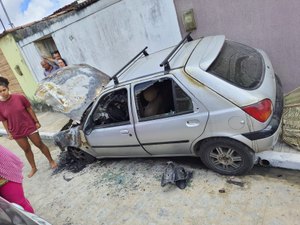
(117, 110)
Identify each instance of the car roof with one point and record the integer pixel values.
(150, 65)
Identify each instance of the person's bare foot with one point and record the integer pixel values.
(32, 172)
(53, 164)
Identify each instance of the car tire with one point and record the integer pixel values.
(226, 156)
(80, 155)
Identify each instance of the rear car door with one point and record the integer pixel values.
(169, 118)
(112, 132)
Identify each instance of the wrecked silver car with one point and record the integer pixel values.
(210, 98)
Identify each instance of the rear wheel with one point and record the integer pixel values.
(226, 156)
(80, 155)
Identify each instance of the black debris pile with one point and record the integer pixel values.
(67, 162)
(177, 175)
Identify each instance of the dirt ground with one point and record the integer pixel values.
(128, 191)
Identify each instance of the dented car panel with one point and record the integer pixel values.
(70, 137)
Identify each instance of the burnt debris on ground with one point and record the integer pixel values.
(67, 162)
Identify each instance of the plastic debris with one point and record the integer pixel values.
(235, 182)
(177, 175)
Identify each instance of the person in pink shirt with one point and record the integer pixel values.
(11, 179)
(21, 124)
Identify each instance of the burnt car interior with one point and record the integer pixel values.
(162, 98)
(156, 99)
(111, 109)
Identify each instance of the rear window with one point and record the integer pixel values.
(238, 64)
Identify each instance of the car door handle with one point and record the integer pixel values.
(124, 132)
(192, 123)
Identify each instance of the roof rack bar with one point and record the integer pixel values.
(115, 78)
(166, 63)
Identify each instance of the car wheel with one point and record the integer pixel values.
(80, 155)
(226, 156)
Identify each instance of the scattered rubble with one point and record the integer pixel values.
(235, 181)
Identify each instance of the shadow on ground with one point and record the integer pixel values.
(68, 163)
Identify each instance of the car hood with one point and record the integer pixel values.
(70, 90)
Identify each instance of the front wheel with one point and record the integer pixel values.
(226, 156)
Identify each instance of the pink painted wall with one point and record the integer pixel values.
(271, 25)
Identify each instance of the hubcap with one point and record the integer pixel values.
(226, 158)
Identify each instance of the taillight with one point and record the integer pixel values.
(260, 110)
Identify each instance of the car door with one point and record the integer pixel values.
(169, 117)
(111, 126)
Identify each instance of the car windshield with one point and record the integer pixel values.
(238, 64)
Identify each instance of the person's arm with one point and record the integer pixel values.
(34, 117)
(50, 60)
(6, 128)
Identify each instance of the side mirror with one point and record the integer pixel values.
(89, 127)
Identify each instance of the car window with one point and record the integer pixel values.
(161, 98)
(238, 64)
(112, 109)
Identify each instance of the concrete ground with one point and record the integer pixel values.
(128, 191)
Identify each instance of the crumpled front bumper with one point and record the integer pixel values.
(68, 138)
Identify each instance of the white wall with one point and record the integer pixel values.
(109, 33)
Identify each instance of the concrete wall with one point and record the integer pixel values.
(108, 33)
(14, 58)
(272, 25)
